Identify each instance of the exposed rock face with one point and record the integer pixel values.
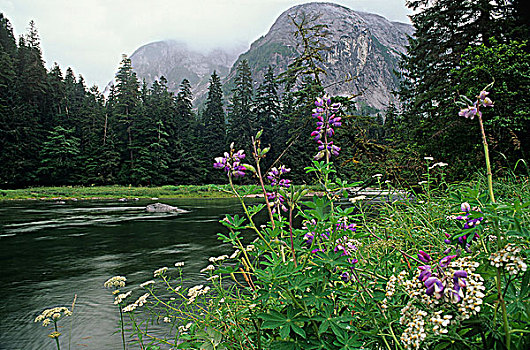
(163, 208)
(362, 45)
(175, 61)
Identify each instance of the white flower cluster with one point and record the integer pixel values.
(184, 329)
(234, 254)
(160, 271)
(469, 301)
(179, 264)
(414, 319)
(208, 268)
(509, 259)
(196, 291)
(121, 297)
(147, 283)
(52, 314)
(115, 282)
(138, 303)
(214, 259)
(440, 322)
(390, 290)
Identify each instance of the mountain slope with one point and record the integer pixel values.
(362, 45)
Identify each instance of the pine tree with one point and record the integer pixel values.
(127, 99)
(242, 123)
(268, 106)
(214, 132)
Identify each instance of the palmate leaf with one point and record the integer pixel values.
(285, 322)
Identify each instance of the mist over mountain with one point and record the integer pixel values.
(364, 50)
(175, 61)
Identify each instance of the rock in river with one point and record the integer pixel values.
(163, 208)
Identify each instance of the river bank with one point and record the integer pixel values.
(121, 192)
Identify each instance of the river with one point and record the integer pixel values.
(51, 251)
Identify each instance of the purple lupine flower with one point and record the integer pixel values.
(444, 262)
(231, 163)
(309, 238)
(424, 257)
(434, 286)
(326, 122)
(425, 273)
(465, 207)
(460, 274)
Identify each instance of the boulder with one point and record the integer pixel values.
(163, 208)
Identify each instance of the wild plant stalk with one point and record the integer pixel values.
(471, 111)
(71, 322)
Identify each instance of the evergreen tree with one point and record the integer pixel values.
(214, 133)
(242, 123)
(127, 99)
(268, 106)
(185, 152)
(59, 157)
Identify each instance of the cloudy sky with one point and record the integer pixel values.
(91, 35)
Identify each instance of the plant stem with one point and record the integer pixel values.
(122, 329)
(57, 337)
(487, 156)
(291, 232)
(500, 300)
(260, 177)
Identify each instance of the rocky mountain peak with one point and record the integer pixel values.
(362, 46)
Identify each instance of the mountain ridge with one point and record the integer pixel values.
(363, 46)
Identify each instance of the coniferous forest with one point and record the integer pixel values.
(54, 130)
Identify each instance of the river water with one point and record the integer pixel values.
(51, 251)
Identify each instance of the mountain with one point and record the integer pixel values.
(364, 48)
(361, 45)
(176, 61)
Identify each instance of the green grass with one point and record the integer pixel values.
(110, 192)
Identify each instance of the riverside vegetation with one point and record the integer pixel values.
(446, 269)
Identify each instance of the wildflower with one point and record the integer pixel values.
(231, 163)
(115, 282)
(167, 319)
(121, 297)
(159, 272)
(208, 268)
(147, 283)
(138, 303)
(326, 122)
(179, 264)
(219, 258)
(509, 259)
(428, 158)
(424, 257)
(275, 176)
(53, 314)
(377, 175)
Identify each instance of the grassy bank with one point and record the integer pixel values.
(110, 192)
